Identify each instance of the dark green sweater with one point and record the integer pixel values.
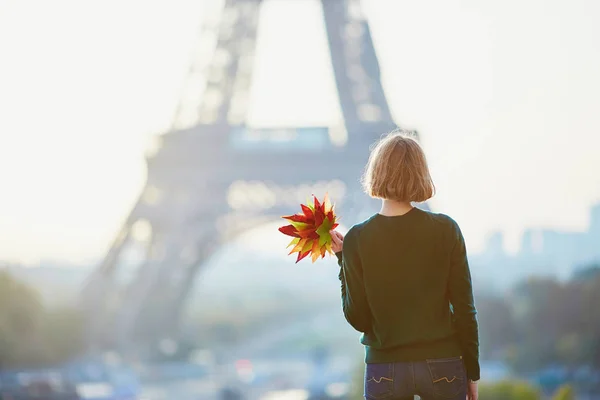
(406, 285)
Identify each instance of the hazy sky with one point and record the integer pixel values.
(505, 94)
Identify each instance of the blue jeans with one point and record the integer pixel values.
(441, 378)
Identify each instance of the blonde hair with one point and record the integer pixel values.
(397, 170)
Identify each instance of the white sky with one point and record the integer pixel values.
(505, 94)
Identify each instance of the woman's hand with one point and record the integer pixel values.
(472, 391)
(337, 241)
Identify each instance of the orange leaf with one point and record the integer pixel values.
(299, 246)
(315, 251)
(307, 246)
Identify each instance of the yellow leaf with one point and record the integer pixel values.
(327, 204)
(293, 242)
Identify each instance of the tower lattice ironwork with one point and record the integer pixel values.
(209, 174)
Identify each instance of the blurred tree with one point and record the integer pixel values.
(496, 326)
(557, 323)
(564, 393)
(63, 334)
(509, 390)
(31, 336)
(534, 307)
(21, 318)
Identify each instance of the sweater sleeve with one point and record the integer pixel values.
(354, 297)
(463, 304)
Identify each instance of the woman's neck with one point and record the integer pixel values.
(392, 208)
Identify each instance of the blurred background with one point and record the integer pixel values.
(148, 149)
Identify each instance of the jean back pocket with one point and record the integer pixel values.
(379, 381)
(448, 377)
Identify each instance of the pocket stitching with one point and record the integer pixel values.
(435, 379)
(390, 386)
(380, 379)
(447, 380)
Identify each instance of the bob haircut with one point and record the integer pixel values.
(397, 170)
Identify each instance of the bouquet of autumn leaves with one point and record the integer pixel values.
(311, 229)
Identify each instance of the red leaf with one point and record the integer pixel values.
(308, 213)
(330, 216)
(289, 230)
(317, 204)
(309, 234)
(297, 218)
(319, 217)
(302, 255)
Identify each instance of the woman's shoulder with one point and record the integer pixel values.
(358, 227)
(444, 221)
(442, 218)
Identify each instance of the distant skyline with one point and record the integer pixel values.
(505, 95)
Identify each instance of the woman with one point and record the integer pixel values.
(406, 285)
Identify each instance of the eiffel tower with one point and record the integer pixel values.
(211, 176)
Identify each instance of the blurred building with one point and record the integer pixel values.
(542, 252)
